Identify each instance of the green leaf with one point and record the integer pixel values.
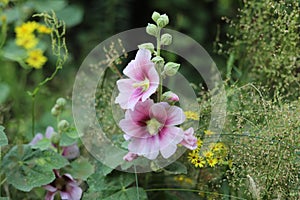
(128, 194)
(72, 15)
(65, 140)
(13, 52)
(43, 144)
(81, 169)
(176, 168)
(4, 92)
(47, 5)
(3, 138)
(72, 133)
(26, 168)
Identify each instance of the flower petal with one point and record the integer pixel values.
(169, 138)
(50, 188)
(175, 116)
(130, 156)
(132, 129)
(49, 132)
(36, 138)
(158, 112)
(71, 152)
(148, 147)
(50, 195)
(74, 191)
(189, 140)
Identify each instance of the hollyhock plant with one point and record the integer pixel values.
(67, 187)
(151, 128)
(69, 152)
(142, 82)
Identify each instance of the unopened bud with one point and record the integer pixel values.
(63, 125)
(155, 16)
(55, 138)
(151, 29)
(149, 46)
(171, 68)
(166, 39)
(55, 111)
(170, 97)
(158, 60)
(61, 102)
(162, 21)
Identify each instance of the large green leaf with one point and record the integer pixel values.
(26, 168)
(46, 5)
(128, 194)
(81, 169)
(72, 15)
(43, 144)
(3, 138)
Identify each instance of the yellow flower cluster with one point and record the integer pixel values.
(217, 154)
(191, 115)
(26, 38)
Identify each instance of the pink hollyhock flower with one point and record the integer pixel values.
(65, 185)
(151, 128)
(189, 140)
(142, 83)
(69, 152)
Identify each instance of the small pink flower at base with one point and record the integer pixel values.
(65, 185)
(142, 83)
(69, 152)
(130, 157)
(151, 128)
(189, 140)
(170, 97)
(39, 136)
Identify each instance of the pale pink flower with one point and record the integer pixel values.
(69, 152)
(67, 187)
(151, 128)
(142, 83)
(189, 140)
(130, 156)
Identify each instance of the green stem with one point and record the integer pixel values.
(33, 115)
(137, 183)
(159, 94)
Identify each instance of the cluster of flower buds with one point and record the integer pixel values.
(58, 107)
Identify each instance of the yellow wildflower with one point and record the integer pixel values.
(200, 162)
(193, 156)
(208, 132)
(43, 29)
(212, 161)
(36, 59)
(199, 143)
(191, 115)
(28, 41)
(208, 154)
(26, 29)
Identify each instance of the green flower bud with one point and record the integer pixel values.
(55, 111)
(162, 21)
(158, 60)
(61, 102)
(148, 46)
(151, 29)
(63, 125)
(171, 68)
(166, 39)
(155, 16)
(55, 138)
